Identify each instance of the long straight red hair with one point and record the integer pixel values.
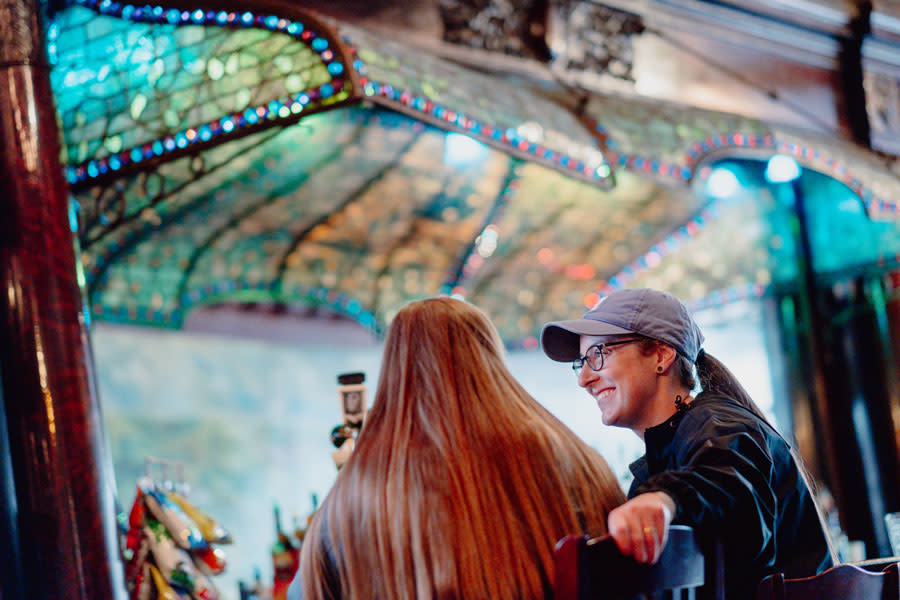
(460, 483)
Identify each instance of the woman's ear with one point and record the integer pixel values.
(665, 356)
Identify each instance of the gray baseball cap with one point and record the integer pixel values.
(651, 313)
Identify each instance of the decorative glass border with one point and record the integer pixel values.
(655, 255)
(282, 109)
(838, 171)
(684, 172)
(228, 289)
(507, 139)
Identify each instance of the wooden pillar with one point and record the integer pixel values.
(61, 473)
(852, 105)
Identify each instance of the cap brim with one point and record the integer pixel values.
(561, 340)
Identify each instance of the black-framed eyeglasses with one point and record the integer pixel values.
(596, 354)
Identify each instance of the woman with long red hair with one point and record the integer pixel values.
(460, 483)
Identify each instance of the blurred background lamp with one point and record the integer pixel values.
(722, 183)
(782, 169)
(461, 150)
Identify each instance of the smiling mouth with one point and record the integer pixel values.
(604, 393)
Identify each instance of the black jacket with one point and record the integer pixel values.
(734, 479)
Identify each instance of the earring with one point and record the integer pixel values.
(659, 369)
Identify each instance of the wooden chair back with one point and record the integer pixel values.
(594, 569)
(841, 582)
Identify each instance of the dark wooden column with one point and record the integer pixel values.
(858, 381)
(852, 104)
(61, 473)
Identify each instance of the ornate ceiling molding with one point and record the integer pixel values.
(824, 16)
(593, 38)
(886, 20)
(505, 26)
(733, 25)
(881, 77)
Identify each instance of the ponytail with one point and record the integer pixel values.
(715, 378)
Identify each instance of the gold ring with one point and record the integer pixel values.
(648, 530)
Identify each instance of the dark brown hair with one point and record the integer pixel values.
(712, 375)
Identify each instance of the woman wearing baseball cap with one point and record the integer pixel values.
(712, 461)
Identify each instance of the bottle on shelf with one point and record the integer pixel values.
(285, 559)
(300, 532)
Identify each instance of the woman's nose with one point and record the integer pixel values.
(585, 375)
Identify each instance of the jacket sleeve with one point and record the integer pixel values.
(721, 482)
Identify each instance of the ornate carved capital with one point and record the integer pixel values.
(20, 32)
(506, 26)
(594, 38)
(883, 108)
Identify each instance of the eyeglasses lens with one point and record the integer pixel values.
(593, 358)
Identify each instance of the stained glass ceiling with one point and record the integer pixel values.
(222, 156)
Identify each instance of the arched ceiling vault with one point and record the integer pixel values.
(255, 153)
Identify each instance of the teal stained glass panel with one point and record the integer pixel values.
(558, 238)
(355, 209)
(751, 239)
(506, 106)
(842, 235)
(120, 84)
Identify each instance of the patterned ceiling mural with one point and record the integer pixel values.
(217, 155)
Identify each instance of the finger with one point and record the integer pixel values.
(639, 542)
(660, 529)
(653, 547)
(648, 544)
(622, 536)
(663, 537)
(620, 531)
